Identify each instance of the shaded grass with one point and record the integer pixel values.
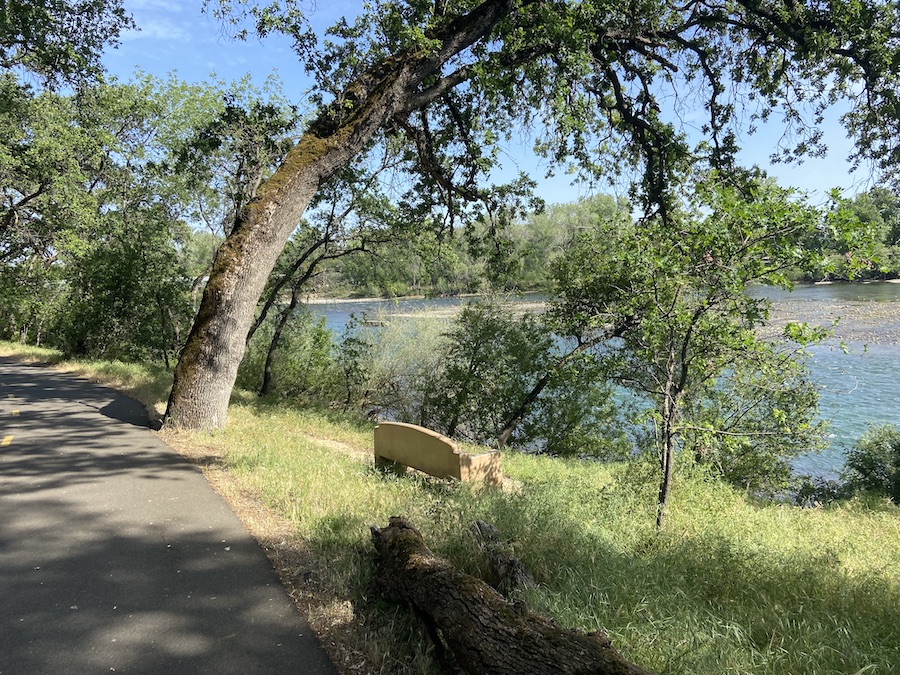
(731, 586)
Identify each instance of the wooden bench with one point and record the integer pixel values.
(399, 445)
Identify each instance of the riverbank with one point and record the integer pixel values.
(863, 313)
(859, 322)
(860, 313)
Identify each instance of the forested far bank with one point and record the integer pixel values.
(432, 267)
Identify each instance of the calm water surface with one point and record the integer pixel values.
(859, 382)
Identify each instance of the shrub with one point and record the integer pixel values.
(873, 465)
(304, 362)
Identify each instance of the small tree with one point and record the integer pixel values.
(677, 292)
(873, 464)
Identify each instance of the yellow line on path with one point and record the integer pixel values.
(6, 441)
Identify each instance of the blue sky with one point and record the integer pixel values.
(175, 36)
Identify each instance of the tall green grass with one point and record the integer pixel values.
(731, 586)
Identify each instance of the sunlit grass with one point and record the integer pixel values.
(731, 586)
(147, 383)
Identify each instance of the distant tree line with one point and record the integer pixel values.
(455, 265)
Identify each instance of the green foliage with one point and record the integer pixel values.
(472, 379)
(414, 263)
(127, 295)
(492, 359)
(860, 238)
(544, 236)
(873, 464)
(98, 189)
(60, 40)
(231, 140)
(666, 301)
(388, 365)
(423, 262)
(107, 221)
(577, 415)
(304, 365)
(747, 426)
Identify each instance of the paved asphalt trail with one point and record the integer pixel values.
(117, 556)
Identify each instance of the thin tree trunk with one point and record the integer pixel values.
(665, 484)
(176, 333)
(524, 406)
(666, 460)
(276, 288)
(164, 338)
(276, 338)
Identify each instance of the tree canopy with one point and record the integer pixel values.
(59, 40)
(603, 84)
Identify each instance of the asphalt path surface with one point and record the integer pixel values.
(115, 553)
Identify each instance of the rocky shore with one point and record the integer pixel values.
(866, 322)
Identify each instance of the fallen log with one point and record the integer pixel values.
(505, 571)
(485, 633)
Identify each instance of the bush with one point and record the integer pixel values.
(389, 364)
(873, 465)
(304, 363)
(467, 377)
(814, 491)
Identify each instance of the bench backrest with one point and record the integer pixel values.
(433, 453)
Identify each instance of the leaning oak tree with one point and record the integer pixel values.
(452, 80)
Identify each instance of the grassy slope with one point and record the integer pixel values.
(730, 587)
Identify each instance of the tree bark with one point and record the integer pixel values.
(486, 634)
(393, 87)
(208, 365)
(273, 343)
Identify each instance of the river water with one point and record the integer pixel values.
(857, 372)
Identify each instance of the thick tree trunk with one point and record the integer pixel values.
(208, 364)
(487, 634)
